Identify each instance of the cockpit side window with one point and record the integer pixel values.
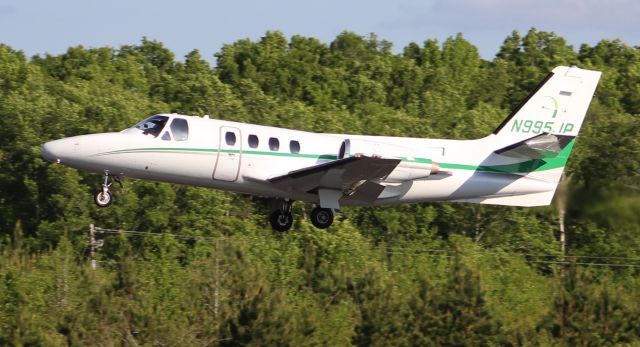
(180, 129)
(152, 125)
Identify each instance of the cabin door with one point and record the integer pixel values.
(229, 155)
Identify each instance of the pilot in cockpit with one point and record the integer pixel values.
(154, 125)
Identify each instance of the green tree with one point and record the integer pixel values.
(381, 312)
(452, 313)
(585, 313)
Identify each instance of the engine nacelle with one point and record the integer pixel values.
(354, 147)
(409, 168)
(409, 171)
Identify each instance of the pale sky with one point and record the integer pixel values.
(51, 26)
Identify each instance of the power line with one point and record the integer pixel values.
(581, 263)
(393, 250)
(145, 233)
(428, 252)
(446, 254)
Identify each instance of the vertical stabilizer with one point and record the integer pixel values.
(556, 106)
(537, 137)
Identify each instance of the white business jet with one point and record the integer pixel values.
(519, 164)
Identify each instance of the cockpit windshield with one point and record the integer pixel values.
(152, 125)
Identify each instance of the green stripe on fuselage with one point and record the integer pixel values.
(215, 151)
(560, 160)
(522, 167)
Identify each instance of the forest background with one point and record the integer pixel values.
(192, 266)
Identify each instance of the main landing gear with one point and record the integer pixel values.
(281, 219)
(103, 197)
(321, 218)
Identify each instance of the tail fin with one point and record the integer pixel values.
(535, 140)
(556, 106)
(545, 124)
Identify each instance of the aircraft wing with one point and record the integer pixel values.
(540, 146)
(353, 176)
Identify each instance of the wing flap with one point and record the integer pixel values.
(351, 176)
(368, 192)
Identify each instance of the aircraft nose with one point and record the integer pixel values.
(48, 151)
(54, 151)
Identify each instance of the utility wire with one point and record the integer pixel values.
(145, 233)
(394, 248)
(428, 252)
(582, 263)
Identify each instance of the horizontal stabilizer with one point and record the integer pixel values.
(540, 146)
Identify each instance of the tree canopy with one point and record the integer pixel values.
(192, 266)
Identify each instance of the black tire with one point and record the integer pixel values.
(281, 221)
(102, 198)
(321, 218)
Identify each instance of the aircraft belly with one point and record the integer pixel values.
(465, 185)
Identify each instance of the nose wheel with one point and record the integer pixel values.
(103, 197)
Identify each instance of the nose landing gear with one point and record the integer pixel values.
(103, 197)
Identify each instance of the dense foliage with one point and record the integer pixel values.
(204, 267)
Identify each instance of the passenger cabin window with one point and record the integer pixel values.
(274, 144)
(230, 138)
(253, 141)
(294, 146)
(152, 125)
(180, 129)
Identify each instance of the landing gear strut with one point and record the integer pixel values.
(103, 197)
(282, 219)
(321, 218)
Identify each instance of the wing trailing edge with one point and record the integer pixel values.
(354, 176)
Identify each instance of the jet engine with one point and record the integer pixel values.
(411, 167)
